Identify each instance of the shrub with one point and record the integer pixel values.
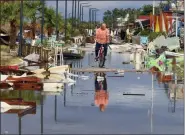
(151, 35)
(154, 35)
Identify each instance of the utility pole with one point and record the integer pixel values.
(21, 27)
(83, 12)
(65, 21)
(78, 9)
(72, 17)
(89, 21)
(153, 15)
(75, 12)
(95, 18)
(42, 24)
(94, 15)
(57, 20)
(91, 18)
(152, 106)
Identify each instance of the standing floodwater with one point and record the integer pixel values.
(137, 104)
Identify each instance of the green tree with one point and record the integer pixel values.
(110, 17)
(32, 12)
(147, 10)
(107, 18)
(50, 20)
(10, 13)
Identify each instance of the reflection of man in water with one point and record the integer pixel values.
(101, 94)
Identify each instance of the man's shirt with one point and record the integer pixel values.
(102, 36)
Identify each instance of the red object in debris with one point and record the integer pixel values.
(154, 70)
(4, 85)
(9, 67)
(166, 78)
(30, 79)
(163, 78)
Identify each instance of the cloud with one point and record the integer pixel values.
(101, 5)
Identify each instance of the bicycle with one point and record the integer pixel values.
(101, 56)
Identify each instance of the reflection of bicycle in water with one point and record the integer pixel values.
(101, 93)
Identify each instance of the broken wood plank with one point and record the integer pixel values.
(106, 70)
(31, 110)
(115, 76)
(133, 94)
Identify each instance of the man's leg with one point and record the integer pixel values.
(97, 48)
(105, 49)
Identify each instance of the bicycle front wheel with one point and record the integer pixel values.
(101, 60)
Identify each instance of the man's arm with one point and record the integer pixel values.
(108, 36)
(96, 35)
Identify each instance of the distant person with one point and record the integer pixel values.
(109, 30)
(113, 30)
(119, 32)
(112, 33)
(122, 33)
(116, 32)
(101, 93)
(129, 35)
(102, 38)
(97, 26)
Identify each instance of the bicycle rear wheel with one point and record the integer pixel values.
(101, 60)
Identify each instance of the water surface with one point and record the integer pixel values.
(75, 113)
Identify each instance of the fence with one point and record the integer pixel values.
(43, 52)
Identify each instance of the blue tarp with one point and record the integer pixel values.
(143, 40)
(166, 8)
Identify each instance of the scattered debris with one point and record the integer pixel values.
(115, 76)
(32, 57)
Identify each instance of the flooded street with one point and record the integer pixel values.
(75, 112)
(56, 78)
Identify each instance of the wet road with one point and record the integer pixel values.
(123, 114)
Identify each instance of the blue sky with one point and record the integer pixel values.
(101, 5)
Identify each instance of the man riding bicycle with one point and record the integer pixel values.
(102, 38)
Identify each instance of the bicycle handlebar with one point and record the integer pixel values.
(109, 46)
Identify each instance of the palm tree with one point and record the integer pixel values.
(10, 12)
(107, 18)
(50, 20)
(31, 12)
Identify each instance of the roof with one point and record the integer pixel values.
(146, 17)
